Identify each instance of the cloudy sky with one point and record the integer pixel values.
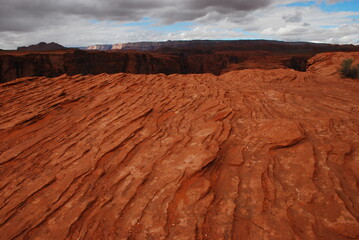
(88, 22)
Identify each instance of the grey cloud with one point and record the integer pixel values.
(293, 18)
(28, 15)
(243, 5)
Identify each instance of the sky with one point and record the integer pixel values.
(75, 23)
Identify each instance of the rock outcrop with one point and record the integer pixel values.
(42, 46)
(251, 154)
(328, 64)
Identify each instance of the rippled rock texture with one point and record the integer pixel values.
(252, 154)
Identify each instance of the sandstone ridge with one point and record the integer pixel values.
(251, 154)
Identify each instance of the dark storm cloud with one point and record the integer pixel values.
(28, 15)
(228, 4)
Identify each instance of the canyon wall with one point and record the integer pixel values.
(51, 64)
(82, 62)
(182, 57)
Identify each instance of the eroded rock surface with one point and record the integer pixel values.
(252, 154)
(328, 64)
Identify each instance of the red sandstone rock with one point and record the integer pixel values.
(252, 154)
(328, 64)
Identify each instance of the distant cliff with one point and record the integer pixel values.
(104, 47)
(42, 46)
(244, 45)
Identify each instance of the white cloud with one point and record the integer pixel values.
(295, 24)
